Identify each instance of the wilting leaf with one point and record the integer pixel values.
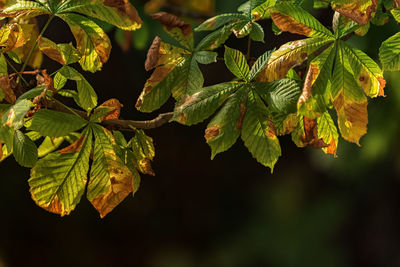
(142, 152)
(92, 42)
(110, 179)
(58, 180)
(5, 86)
(14, 116)
(23, 9)
(292, 18)
(349, 100)
(361, 11)
(55, 124)
(328, 132)
(109, 110)
(289, 55)
(119, 13)
(64, 54)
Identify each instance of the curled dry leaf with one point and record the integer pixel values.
(171, 21)
(115, 109)
(361, 11)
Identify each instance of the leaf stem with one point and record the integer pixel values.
(16, 71)
(248, 49)
(36, 43)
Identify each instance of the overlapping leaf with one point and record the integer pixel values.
(176, 69)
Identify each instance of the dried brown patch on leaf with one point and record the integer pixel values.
(212, 132)
(124, 7)
(352, 118)
(239, 123)
(115, 109)
(289, 24)
(121, 185)
(310, 137)
(359, 11)
(382, 84)
(271, 132)
(75, 147)
(153, 54)
(50, 49)
(145, 167)
(171, 21)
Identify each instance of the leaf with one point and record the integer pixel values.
(218, 21)
(119, 13)
(258, 133)
(23, 9)
(142, 152)
(306, 134)
(14, 117)
(259, 65)
(289, 55)
(56, 124)
(176, 72)
(86, 95)
(49, 145)
(281, 96)
(225, 128)
(195, 108)
(293, 18)
(64, 54)
(361, 11)
(389, 53)
(110, 180)
(24, 150)
(92, 42)
(348, 99)
(367, 73)
(176, 28)
(262, 11)
(58, 180)
(328, 132)
(205, 57)
(109, 110)
(236, 63)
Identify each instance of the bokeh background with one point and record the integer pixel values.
(314, 210)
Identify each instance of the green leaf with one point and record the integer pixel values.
(92, 42)
(389, 53)
(236, 63)
(24, 150)
(86, 95)
(293, 18)
(259, 65)
(119, 13)
(257, 33)
(195, 108)
(281, 96)
(34, 92)
(6, 136)
(56, 124)
(224, 129)
(218, 21)
(110, 179)
(58, 180)
(205, 57)
(258, 133)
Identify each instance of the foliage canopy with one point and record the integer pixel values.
(301, 88)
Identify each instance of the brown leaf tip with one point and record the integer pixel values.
(153, 54)
(171, 21)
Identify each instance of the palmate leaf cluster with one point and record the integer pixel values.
(316, 89)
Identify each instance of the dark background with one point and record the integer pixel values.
(314, 210)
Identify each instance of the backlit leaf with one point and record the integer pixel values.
(236, 63)
(24, 150)
(389, 53)
(64, 54)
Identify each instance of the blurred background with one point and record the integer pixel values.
(314, 210)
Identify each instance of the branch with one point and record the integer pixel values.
(161, 119)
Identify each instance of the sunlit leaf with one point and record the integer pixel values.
(64, 54)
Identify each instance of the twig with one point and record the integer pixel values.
(248, 49)
(161, 119)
